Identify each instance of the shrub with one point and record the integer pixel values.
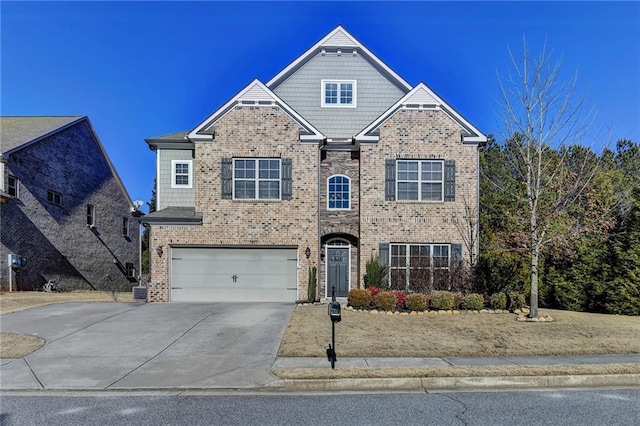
(503, 271)
(375, 272)
(386, 301)
(498, 301)
(373, 293)
(401, 298)
(457, 300)
(416, 302)
(515, 300)
(442, 300)
(311, 289)
(358, 298)
(473, 301)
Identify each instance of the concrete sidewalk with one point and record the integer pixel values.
(456, 361)
(459, 383)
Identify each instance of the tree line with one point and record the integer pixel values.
(591, 256)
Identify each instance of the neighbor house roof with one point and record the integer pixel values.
(18, 131)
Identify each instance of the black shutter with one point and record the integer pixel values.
(383, 260)
(456, 254)
(390, 180)
(227, 178)
(449, 180)
(287, 179)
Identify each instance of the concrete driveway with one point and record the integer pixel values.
(147, 346)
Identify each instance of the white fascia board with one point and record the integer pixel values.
(195, 136)
(319, 45)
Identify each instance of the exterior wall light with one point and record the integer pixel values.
(159, 250)
(307, 252)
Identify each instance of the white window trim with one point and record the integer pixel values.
(354, 96)
(420, 182)
(408, 258)
(173, 173)
(349, 181)
(257, 179)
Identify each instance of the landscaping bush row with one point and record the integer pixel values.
(374, 297)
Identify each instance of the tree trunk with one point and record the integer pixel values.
(533, 301)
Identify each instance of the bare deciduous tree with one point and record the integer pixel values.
(543, 118)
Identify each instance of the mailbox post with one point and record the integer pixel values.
(336, 316)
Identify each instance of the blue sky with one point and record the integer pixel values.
(143, 69)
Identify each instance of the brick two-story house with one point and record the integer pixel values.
(335, 160)
(63, 208)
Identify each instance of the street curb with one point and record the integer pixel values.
(432, 383)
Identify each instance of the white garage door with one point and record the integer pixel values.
(233, 274)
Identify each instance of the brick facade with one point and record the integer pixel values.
(270, 120)
(414, 134)
(247, 131)
(55, 239)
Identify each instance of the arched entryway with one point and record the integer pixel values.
(340, 264)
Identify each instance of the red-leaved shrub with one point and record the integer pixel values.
(373, 292)
(401, 298)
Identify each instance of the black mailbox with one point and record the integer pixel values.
(335, 311)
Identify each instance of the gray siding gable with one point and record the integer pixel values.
(166, 195)
(303, 92)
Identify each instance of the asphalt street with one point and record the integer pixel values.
(541, 407)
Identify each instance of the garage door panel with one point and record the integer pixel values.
(234, 274)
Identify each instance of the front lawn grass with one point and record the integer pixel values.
(361, 334)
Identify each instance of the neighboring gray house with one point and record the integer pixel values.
(334, 160)
(63, 207)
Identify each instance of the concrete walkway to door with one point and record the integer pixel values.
(134, 346)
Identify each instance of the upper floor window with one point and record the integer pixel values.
(181, 174)
(54, 197)
(339, 93)
(91, 215)
(125, 226)
(338, 193)
(420, 180)
(256, 178)
(12, 186)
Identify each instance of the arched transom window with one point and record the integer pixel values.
(339, 192)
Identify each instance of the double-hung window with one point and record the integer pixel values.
(91, 215)
(256, 178)
(338, 193)
(181, 173)
(54, 197)
(125, 227)
(419, 180)
(12, 186)
(417, 267)
(339, 93)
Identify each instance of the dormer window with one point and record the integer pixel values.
(339, 93)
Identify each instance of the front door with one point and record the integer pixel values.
(338, 271)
